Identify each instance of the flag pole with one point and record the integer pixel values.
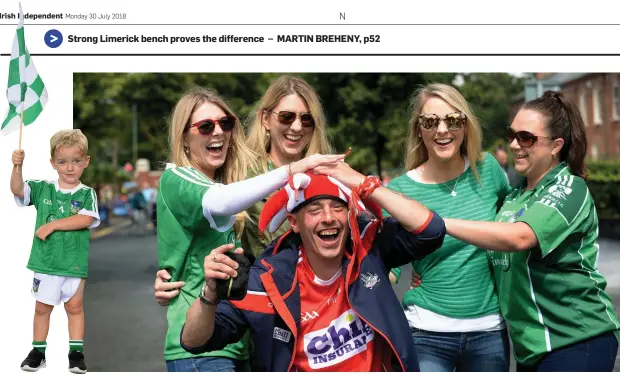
(21, 125)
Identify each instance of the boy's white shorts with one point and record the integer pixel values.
(51, 289)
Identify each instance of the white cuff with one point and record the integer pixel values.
(90, 213)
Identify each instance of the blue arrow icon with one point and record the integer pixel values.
(53, 38)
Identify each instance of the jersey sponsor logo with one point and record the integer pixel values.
(47, 201)
(35, 284)
(281, 334)
(345, 337)
(502, 262)
(76, 206)
(369, 280)
(308, 316)
(62, 209)
(560, 191)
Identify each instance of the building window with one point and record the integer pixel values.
(594, 152)
(582, 106)
(615, 94)
(596, 105)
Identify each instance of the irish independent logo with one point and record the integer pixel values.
(35, 284)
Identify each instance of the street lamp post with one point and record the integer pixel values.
(134, 123)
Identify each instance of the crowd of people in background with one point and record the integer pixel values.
(133, 202)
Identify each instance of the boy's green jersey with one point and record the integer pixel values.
(63, 253)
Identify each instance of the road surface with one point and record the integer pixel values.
(125, 327)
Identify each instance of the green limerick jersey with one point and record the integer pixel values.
(186, 234)
(457, 280)
(553, 296)
(63, 253)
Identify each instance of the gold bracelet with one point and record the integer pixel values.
(290, 172)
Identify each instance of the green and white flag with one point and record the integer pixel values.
(25, 90)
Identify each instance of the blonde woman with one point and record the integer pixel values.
(287, 125)
(453, 313)
(196, 206)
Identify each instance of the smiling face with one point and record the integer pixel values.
(208, 152)
(70, 163)
(442, 144)
(537, 159)
(287, 142)
(323, 226)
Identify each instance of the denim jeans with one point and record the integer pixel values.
(206, 364)
(462, 351)
(596, 354)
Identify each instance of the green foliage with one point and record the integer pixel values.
(98, 174)
(361, 108)
(604, 185)
(490, 96)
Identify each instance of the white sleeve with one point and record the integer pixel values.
(94, 214)
(25, 201)
(230, 199)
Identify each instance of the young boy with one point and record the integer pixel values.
(66, 209)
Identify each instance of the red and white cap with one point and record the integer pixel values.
(301, 189)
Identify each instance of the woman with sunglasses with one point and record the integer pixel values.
(454, 312)
(287, 125)
(196, 206)
(544, 247)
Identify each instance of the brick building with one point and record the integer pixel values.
(598, 97)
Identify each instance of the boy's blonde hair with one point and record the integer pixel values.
(69, 138)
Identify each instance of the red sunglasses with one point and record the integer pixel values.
(206, 126)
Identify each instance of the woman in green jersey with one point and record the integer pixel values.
(196, 206)
(454, 312)
(544, 247)
(287, 125)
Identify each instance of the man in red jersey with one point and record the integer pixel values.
(319, 298)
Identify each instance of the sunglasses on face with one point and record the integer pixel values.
(206, 126)
(525, 139)
(287, 118)
(454, 121)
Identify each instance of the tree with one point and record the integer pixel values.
(490, 95)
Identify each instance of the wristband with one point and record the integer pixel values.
(368, 186)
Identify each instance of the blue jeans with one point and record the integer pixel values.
(206, 364)
(596, 354)
(462, 351)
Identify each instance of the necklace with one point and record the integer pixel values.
(453, 189)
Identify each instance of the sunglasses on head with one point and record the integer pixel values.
(454, 121)
(286, 117)
(206, 126)
(525, 139)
